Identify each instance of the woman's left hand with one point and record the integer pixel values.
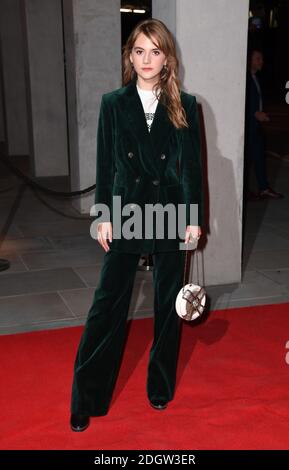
(193, 232)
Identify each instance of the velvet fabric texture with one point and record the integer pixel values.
(161, 166)
(100, 349)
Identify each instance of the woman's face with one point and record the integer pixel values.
(148, 60)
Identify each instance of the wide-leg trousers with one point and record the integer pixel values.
(98, 357)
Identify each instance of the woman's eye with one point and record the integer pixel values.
(155, 52)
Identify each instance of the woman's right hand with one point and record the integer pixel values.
(104, 233)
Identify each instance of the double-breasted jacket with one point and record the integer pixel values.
(162, 165)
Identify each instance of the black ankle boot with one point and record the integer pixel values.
(79, 422)
(158, 404)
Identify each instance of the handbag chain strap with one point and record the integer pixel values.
(187, 266)
(187, 250)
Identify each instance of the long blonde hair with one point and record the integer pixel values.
(168, 83)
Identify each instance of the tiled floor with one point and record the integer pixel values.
(55, 263)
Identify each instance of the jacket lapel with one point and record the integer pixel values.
(152, 141)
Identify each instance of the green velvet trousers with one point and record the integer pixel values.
(98, 357)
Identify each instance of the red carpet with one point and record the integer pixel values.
(232, 392)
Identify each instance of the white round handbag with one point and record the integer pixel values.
(190, 302)
(191, 299)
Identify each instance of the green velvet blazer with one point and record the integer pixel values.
(162, 165)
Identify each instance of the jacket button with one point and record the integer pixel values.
(156, 182)
(130, 154)
(137, 180)
(163, 156)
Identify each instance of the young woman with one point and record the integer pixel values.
(148, 152)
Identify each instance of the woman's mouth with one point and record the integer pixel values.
(146, 69)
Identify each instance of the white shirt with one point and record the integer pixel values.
(149, 102)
